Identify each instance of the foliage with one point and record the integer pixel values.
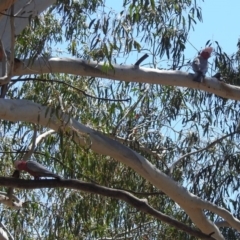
(167, 123)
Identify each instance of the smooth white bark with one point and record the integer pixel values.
(129, 74)
(3, 234)
(23, 10)
(23, 110)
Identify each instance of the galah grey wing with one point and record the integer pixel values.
(200, 64)
(204, 66)
(200, 67)
(196, 65)
(40, 170)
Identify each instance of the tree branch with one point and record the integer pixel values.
(7, 231)
(5, 68)
(156, 154)
(3, 234)
(226, 215)
(141, 59)
(143, 193)
(29, 153)
(177, 162)
(8, 198)
(10, 58)
(129, 74)
(131, 109)
(23, 110)
(140, 204)
(222, 224)
(43, 135)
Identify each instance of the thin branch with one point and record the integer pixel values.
(10, 15)
(10, 200)
(61, 103)
(29, 153)
(69, 85)
(4, 87)
(8, 232)
(5, 69)
(36, 140)
(3, 234)
(225, 214)
(43, 135)
(222, 224)
(130, 110)
(12, 39)
(139, 204)
(142, 193)
(177, 162)
(141, 59)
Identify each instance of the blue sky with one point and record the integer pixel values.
(219, 19)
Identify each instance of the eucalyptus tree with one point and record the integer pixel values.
(145, 152)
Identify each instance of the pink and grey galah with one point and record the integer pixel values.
(35, 169)
(200, 64)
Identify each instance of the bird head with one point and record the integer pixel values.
(17, 163)
(206, 52)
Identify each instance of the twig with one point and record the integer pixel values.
(29, 153)
(12, 39)
(131, 109)
(198, 151)
(69, 85)
(141, 59)
(10, 15)
(43, 135)
(142, 193)
(16, 174)
(5, 69)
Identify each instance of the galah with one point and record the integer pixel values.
(200, 64)
(35, 169)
